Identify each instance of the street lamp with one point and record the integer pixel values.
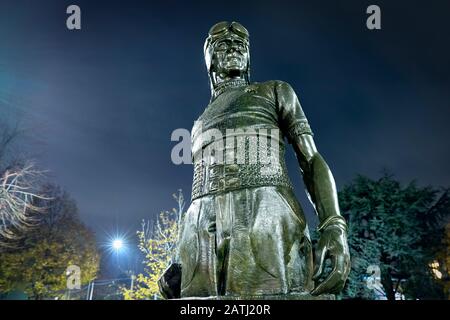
(118, 247)
(117, 244)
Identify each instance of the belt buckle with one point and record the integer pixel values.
(215, 170)
(223, 177)
(214, 173)
(231, 174)
(231, 170)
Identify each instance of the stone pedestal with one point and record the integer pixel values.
(291, 296)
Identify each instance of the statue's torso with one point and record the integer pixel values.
(243, 107)
(248, 113)
(244, 233)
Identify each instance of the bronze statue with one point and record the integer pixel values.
(245, 234)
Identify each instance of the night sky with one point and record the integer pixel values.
(99, 104)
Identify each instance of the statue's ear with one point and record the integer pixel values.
(212, 65)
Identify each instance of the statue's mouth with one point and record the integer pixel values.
(233, 58)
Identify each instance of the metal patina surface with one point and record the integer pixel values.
(245, 234)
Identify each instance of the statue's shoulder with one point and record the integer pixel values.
(273, 90)
(273, 85)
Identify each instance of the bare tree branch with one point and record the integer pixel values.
(18, 195)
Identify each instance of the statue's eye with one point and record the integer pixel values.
(221, 46)
(240, 46)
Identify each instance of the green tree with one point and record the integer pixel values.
(58, 241)
(399, 230)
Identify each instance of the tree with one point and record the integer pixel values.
(396, 230)
(58, 241)
(19, 181)
(158, 244)
(445, 258)
(431, 278)
(18, 208)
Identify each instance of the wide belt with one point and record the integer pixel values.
(222, 178)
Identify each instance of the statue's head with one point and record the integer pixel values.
(227, 51)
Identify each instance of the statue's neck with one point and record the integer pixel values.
(223, 82)
(221, 77)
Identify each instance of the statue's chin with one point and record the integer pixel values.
(234, 72)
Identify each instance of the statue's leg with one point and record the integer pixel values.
(197, 250)
(267, 228)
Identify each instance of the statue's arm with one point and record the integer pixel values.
(321, 189)
(318, 179)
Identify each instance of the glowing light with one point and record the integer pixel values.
(435, 269)
(437, 273)
(117, 244)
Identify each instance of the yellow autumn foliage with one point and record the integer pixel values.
(158, 246)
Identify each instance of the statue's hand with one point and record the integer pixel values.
(170, 282)
(332, 244)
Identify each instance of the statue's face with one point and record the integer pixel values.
(230, 55)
